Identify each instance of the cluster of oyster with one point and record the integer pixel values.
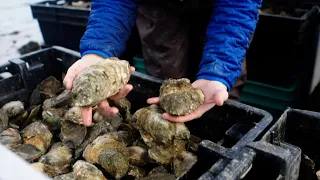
(48, 132)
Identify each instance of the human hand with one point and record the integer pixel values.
(215, 93)
(103, 106)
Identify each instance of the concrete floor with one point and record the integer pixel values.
(17, 28)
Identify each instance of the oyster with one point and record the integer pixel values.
(38, 166)
(38, 135)
(4, 121)
(57, 161)
(137, 172)
(100, 81)
(72, 134)
(74, 115)
(159, 169)
(166, 155)
(13, 108)
(68, 176)
(33, 115)
(111, 154)
(52, 117)
(49, 87)
(83, 170)
(115, 120)
(183, 162)
(10, 138)
(178, 97)
(27, 152)
(139, 142)
(156, 129)
(62, 100)
(138, 155)
(124, 107)
(194, 142)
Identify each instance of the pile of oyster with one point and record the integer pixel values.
(48, 132)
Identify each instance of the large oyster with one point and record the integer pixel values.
(13, 108)
(156, 129)
(100, 81)
(57, 161)
(178, 97)
(38, 135)
(84, 171)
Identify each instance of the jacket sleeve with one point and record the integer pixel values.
(109, 27)
(228, 36)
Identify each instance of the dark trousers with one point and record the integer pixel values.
(172, 43)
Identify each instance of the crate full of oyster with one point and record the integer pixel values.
(136, 143)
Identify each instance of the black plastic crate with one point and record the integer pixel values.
(60, 25)
(299, 128)
(282, 46)
(234, 123)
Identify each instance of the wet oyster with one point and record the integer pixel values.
(13, 108)
(10, 138)
(4, 121)
(138, 155)
(115, 120)
(166, 155)
(38, 166)
(68, 176)
(52, 117)
(111, 154)
(137, 172)
(38, 135)
(83, 170)
(74, 115)
(183, 162)
(72, 134)
(62, 100)
(100, 81)
(154, 129)
(27, 152)
(57, 161)
(178, 97)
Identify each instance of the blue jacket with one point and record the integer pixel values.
(228, 34)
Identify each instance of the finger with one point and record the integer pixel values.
(132, 69)
(153, 100)
(106, 109)
(87, 116)
(123, 93)
(193, 115)
(220, 97)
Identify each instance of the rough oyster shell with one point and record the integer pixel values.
(62, 100)
(4, 121)
(27, 152)
(85, 171)
(138, 155)
(10, 138)
(150, 122)
(72, 134)
(178, 97)
(136, 172)
(57, 161)
(115, 120)
(68, 176)
(38, 135)
(74, 114)
(38, 166)
(52, 117)
(100, 81)
(13, 108)
(183, 162)
(159, 169)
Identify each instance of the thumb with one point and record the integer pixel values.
(219, 97)
(87, 116)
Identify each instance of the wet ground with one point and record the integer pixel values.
(17, 28)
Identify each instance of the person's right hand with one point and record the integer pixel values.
(104, 107)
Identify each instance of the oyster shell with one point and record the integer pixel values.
(33, 115)
(57, 161)
(178, 97)
(194, 142)
(52, 117)
(13, 108)
(38, 135)
(4, 121)
(138, 155)
(162, 176)
(62, 100)
(68, 176)
(124, 107)
(111, 154)
(10, 138)
(27, 152)
(38, 166)
(183, 162)
(100, 81)
(115, 120)
(166, 155)
(136, 172)
(72, 134)
(154, 129)
(83, 170)
(159, 169)
(49, 87)
(20, 119)
(74, 115)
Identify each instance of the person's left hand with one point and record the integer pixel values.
(215, 93)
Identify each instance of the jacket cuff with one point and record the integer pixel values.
(100, 53)
(212, 78)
